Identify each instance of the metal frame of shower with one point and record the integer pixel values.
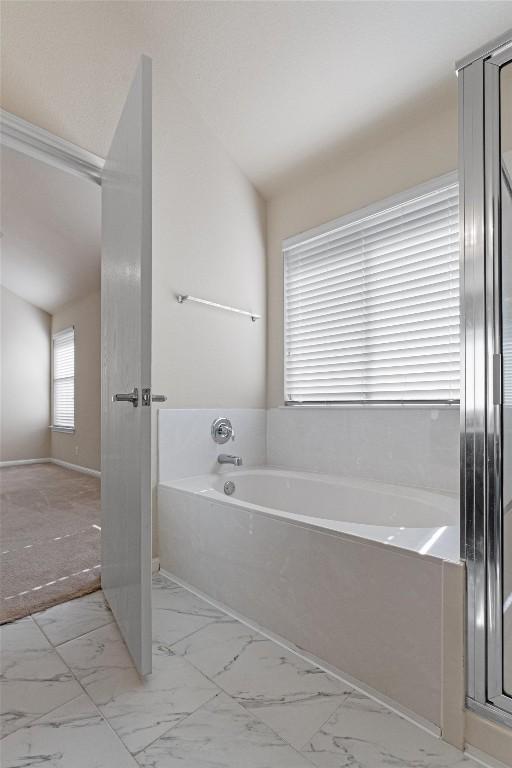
(481, 370)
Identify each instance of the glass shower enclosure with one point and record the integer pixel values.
(485, 168)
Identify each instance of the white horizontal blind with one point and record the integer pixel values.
(64, 379)
(372, 307)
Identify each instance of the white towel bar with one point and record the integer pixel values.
(181, 298)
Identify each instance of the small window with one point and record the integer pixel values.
(372, 303)
(63, 380)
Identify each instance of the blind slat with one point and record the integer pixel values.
(372, 308)
(430, 241)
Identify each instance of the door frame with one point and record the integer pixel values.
(39, 143)
(481, 375)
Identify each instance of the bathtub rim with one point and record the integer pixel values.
(356, 480)
(300, 520)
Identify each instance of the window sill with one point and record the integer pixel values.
(69, 430)
(430, 406)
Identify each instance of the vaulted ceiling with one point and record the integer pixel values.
(279, 83)
(51, 222)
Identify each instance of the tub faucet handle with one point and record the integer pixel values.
(222, 430)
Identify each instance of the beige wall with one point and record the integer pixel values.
(208, 221)
(25, 379)
(409, 156)
(208, 241)
(83, 446)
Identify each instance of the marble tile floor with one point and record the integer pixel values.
(221, 696)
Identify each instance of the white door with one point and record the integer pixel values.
(126, 372)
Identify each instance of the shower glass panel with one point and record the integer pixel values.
(506, 310)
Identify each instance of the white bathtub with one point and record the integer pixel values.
(418, 520)
(357, 573)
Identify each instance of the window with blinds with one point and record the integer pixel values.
(372, 303)
(63, 379)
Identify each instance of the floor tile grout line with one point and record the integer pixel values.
(191, 634)
(216, 693)
(73, 678)
(36, 719)
(317, 663)
(86, 693)
(337, 709)
(180, 722)
(249, 711)
(104, 717)
(218, 687)
(53, 645)
(31, 616)
(236, 701)
(70, 640)
(252, 714)
(354, 689)
(78, 682)
(221, 690)
(279, 735)
(109, 726)
(191, 663)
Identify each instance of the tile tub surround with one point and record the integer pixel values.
(267, 707)
(354, 442)
(372, 611)
(365, 442)
(186, 447)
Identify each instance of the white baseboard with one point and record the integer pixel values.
(59, 462)
(76, 467)
(19, 462)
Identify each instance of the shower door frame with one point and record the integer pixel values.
(481, 374)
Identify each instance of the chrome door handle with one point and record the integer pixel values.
(130, 397)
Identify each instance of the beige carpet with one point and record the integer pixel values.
(49, 536)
